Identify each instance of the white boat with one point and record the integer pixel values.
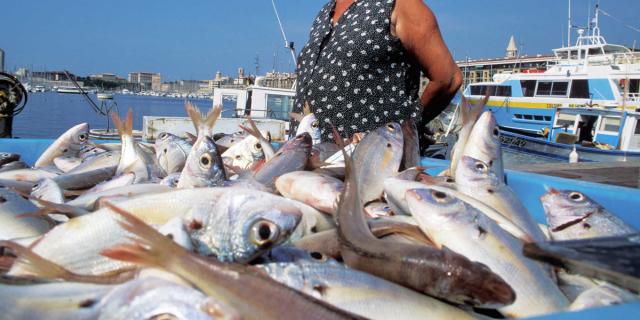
(105, 96)
(592, 73)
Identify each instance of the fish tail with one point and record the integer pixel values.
(128, 125)
(211, 118)
(254, 131)
(52, 207)
(306, 110)
(117, 123)
(194, 114)
(35, 266)
(149, 248)
(295, 116)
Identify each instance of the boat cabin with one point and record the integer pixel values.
(258, 101)
(599, 128)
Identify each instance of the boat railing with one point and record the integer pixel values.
(633, 97)
(256, 113)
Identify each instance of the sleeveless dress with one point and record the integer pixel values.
(356, 75)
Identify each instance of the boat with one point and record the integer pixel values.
(105, 96)
(598, 135)
(75, 90)
(592, 74)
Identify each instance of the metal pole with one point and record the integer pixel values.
(569, 27)
(284, 36)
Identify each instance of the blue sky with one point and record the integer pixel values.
(192, 39)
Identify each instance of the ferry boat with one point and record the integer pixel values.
(592, 74)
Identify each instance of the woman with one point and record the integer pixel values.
(361, 66)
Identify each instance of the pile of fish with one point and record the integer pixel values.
(225, 226)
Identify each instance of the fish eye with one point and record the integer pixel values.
(389, 145)
(205, 160)
(82, 137)
(318, 256)
(439, 196)
(162, 135)
(481, 167)
(165, 150)
(258, 146)
(391, 128)
(264, 233)
(315, 124)
(450, 180)
(496, 131)
(238, 157)
(576, 196)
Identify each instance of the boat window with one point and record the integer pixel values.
(634, 86)
(518, 116)
(574, 55)
(538, 118)
(610, 124)
(528, 87)
(566, 120)
(580, 89)
(544, 88)
(528, 117)
(503, 91)
(279, 106)
(637, 128)
(229, 105)
(595, 51)
(477, 90)
(547, 118)
(559, 88)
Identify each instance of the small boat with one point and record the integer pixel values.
(105, 96)
(111, 134)
(598, 135)
(70, 90)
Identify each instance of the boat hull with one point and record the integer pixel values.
(558, 151)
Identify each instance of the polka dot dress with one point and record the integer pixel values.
(356, 74)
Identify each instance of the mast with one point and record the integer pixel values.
(287, 44)
(569, 27)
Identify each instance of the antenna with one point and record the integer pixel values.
(287, 44)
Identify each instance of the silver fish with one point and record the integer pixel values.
(244, 153)
(99, 230)
(95, 170)
(15, 165)
(478, 180)
(171, 152)
(67, 163)
(27, 174)
(602, 296)
(89, 200)
(376, 158)
(132, 157)
(116, 182)
(245, 223)
(378, 209)
(62, 300)
(469, 115)
(309, 124)
(47, 189)
(452, 223)
(292, 156)
(69, 143)
(572, 215)
(317, 190)
(204, 167)
(6, 158)
(484, 144)
(359, 292)
(171, 180)
(12, 205)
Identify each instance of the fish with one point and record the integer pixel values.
(378, 209)
(204, 166)
(602, 296)
(90, 200)
(243, 288)
(120, 181)
(23, 187)
(320, 152)
(359, 292)
(6, 158)
(245, 223)
(225, 141)
(265, 140)
(469, 115)
(478, 180)
(15, 165)
(47, 189)
(132, 157)
(396, 189)
(317, 190)
(68, 144)
(152, 298)
(572, 215)
(58, 300)
(376, 158)
(292, 156)
(411, 150)
(171, 152)
(67, 163)
(484, 144)
(307, 123)
(439, 273)
(91, 172)
(99, 230)
(451, 223)
(171, 180)
(244, 154)
(28, 174)
(12, 223)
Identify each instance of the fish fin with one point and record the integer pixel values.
(296, 116)
(254, 131)
(128, 124)
(211, 118)
(306, 110)
(117, 123)
(36, 266)
(52, 207)
(192, 138)
(149, 247)
(194, 114)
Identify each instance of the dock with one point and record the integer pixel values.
(624, 174)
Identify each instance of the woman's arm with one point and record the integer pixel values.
(417, 28)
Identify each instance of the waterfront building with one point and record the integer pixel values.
(110, 77)
(147, 80)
